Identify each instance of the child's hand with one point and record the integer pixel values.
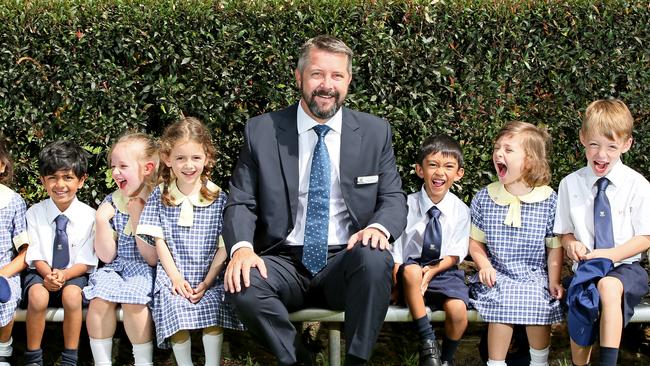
(576, 250)
(105, 212)
(59, 275)
(556, 290)
(427, 275)
(181, 287)
(488, 276)
(198, 292)
(52, 283)
(598, 253)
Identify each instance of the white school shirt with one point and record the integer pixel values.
(629, 199)
(340, 224)
(455, 223)
(80, 229)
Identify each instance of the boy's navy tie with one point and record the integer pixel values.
(314, 253)
(603, 232)
(60, 250)
(432, 237)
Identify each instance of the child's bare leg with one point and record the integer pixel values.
(539, 339)
(455, 325)
(137, 323)
(580, 355)
(412, 293)
(71, 300)
(35, 320)
(5, 332)
(611, 318)
(455, 318)
(499, 336)
(101, 320)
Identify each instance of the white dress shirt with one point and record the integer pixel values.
(41, 229)
(629, 199)
(454, 222)
(340, 224)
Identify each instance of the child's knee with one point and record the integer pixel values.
(38, 297)
(610, 290)
(213, 330)
(456, 310)
(181, 336)
(71, 298)
(412, 274)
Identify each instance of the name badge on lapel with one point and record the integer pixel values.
(368, 179)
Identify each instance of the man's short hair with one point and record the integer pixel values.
(442, 144)
(63, 155)
(325, 43)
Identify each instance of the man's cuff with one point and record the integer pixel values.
(382, 228)
(241, 244)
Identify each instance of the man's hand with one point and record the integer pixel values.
(239, 268)
(369, 235)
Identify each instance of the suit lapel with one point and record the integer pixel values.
(350, 155)
(287, 138)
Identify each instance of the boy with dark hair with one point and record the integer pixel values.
(60, 254)
(434, 242)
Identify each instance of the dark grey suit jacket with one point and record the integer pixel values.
(263, 200)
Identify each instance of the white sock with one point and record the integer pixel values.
(101, 349)
(539, 357)
(183, 353)
(5, 348)
(496, 363)
(143, 354)
(212, 348)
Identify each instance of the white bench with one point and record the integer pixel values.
(335, 318)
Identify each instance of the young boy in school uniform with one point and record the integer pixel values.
(602, 215)
(434, 242)
(60, 253)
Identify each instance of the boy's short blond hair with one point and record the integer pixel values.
(608, 117)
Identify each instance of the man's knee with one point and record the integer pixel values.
(249, 297)
(376, 262)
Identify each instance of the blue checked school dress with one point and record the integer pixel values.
(13, 234)
(128, 279)
(516, 231)
(192, 230)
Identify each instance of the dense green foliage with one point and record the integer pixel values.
(91, 70)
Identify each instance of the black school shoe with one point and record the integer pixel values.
(430, 353)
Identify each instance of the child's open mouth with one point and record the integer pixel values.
(502, 169)
(438, 183)
(600, 166)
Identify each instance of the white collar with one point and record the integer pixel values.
(616, 175)
(51, 211)
(306, 123)
(445, 205)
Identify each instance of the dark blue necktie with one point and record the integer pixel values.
(60, 250)
(603, 232)
(314, 255)
(432, 237)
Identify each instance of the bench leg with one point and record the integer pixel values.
(335, 344)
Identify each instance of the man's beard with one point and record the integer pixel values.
(315, 109)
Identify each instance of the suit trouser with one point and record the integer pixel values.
(358, 281)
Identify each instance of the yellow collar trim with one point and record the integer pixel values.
(498, 193)
(121, 203)
(188, 203)
(5, 195)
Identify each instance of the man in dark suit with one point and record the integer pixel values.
(315, 200)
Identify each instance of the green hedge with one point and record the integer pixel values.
(90, 70)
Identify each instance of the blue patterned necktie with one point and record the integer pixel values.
(60, 250)
(314, 254)
(603, 232)
(432, 237)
